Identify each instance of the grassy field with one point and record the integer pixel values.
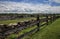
(16, 20)
(51, 31)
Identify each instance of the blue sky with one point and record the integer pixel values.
(49, 5)
(36, 2)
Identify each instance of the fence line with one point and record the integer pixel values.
(6, 30)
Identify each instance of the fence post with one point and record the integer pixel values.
(38, 24)
(54, 16)
(51, 18)
(46, 19)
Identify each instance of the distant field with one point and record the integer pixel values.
(51, 31)
(16, 20)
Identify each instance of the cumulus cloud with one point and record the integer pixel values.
(18, 7)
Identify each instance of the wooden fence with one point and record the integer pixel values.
(6, 30)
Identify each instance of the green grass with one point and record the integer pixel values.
(51, 31)
(16, 20)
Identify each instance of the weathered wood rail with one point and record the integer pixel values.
(6, 30)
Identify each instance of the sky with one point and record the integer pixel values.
(31, 6)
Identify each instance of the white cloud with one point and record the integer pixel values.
(55, 9)
(58, 1)
(27, 7)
